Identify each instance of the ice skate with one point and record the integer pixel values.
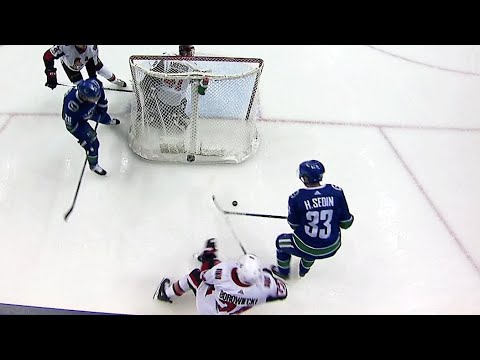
(119, 83)
(98, 170)
(162, 295)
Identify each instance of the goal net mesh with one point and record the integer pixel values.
(173, 120)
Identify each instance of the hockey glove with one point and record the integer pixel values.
(51, 78)
(202, 87)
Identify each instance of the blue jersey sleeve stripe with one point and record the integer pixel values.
(348, 220)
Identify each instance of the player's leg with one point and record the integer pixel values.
(179, 116)
(74, 76)
(284, 245)
(205, 300)
(169, 116)
(87, 138)
(306, 262)
(169, 291)
(208, 257)
(109, 75)
(192, 281)
(184, 119)
(285, 249)
(156, 118)
(305, 265)
(307, 259)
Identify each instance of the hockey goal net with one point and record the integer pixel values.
(173, 120)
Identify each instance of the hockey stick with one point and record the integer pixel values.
(229, 224)
(246, 214)
(105, 88)
(157, 290)
(227, 220)
(67, 214)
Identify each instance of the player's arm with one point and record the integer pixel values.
(203, 85)
(208, 276)
(71, 113)
(49, 58)
(345, 224)
(276, 288)
(102, 103)
(346, 219)
(100, 113)
(292, 217)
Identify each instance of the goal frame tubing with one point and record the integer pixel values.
(199, 74)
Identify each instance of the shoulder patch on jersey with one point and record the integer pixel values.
(73, 106)
(56, 50)
(294, 194)
(337, 187)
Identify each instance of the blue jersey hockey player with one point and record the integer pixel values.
(316, 214)
(87, 102)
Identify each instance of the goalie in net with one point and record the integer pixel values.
(166, 99)
(174, 118)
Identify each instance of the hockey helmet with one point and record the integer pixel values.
(81, 48)
(311, 171)
(90, 90)
(249, 269)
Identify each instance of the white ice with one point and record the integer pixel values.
(401, 138)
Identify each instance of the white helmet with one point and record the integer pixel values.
(249, 269)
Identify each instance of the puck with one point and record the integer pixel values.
(234, 203)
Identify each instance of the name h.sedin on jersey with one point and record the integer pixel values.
(327, 201)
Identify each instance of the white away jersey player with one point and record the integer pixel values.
(222, 293)
(74, 60)
(170, 91)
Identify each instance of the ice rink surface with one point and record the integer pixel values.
(397, 129)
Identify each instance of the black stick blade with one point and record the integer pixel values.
(68, 214)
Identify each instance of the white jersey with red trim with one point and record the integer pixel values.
(222, 293)
(72, 58)
(170, 91)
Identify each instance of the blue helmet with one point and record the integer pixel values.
(90, 90)
(311, 171)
